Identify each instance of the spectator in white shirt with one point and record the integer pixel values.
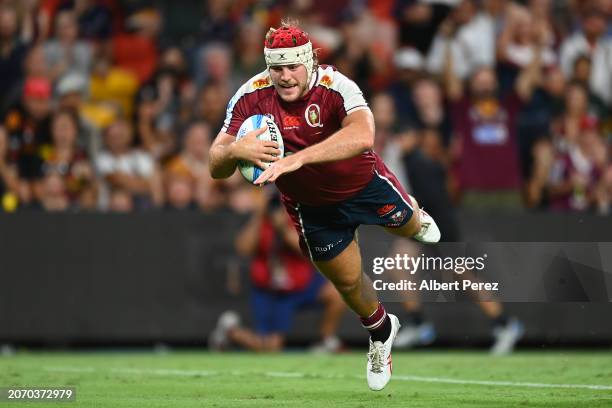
(66, 52)
(472, 41)
(125, 168)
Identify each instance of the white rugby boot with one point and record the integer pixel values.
(429, 233)
(380, 365)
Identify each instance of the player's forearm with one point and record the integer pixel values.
(348, 142)
(222, 163)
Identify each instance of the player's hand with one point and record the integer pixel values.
(259, 152)
(283, 166)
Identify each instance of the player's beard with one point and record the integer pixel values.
(291, 94)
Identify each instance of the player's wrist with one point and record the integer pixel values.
(302, 157)
(232, 151)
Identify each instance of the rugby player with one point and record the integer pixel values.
(330, 179)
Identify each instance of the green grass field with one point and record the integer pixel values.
(421, 379)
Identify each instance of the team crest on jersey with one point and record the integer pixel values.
(261, 83)
(326, 81)
(313, 115)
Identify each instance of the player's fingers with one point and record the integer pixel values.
(261, 164)
(261, 180)
(270, 143)
(259, 131)
(272, 151)
(267, 157)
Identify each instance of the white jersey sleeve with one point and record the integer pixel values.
(352, 96)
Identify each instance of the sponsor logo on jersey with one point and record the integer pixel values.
(385, 209)
(291, 122)
(261, 83)
(326, 81)
(313, 115)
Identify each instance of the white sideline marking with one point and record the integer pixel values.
(500, 383)
(414, 378)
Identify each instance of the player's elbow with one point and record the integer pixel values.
(367, 137)
(367, 143)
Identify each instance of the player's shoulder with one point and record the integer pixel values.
(256, 88)
(258, 82)
(329, 77)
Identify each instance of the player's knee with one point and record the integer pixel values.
(347, 284)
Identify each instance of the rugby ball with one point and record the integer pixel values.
(249, 170)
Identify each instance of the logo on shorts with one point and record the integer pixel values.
(385, 210)
(397, 218)
(313, 115)
(326, 247)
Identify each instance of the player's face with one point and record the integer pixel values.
(290, 81)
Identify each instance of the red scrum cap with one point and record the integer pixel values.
(288, 45)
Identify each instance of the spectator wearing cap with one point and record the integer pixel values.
(12, 55)
(28, 126)
(123, 167)
(592, 42)
(65, 52)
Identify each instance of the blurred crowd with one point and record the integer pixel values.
(111, 105)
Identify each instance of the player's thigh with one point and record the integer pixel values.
(410, 228)
(345, 268)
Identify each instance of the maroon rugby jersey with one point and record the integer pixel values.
(303, 123)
